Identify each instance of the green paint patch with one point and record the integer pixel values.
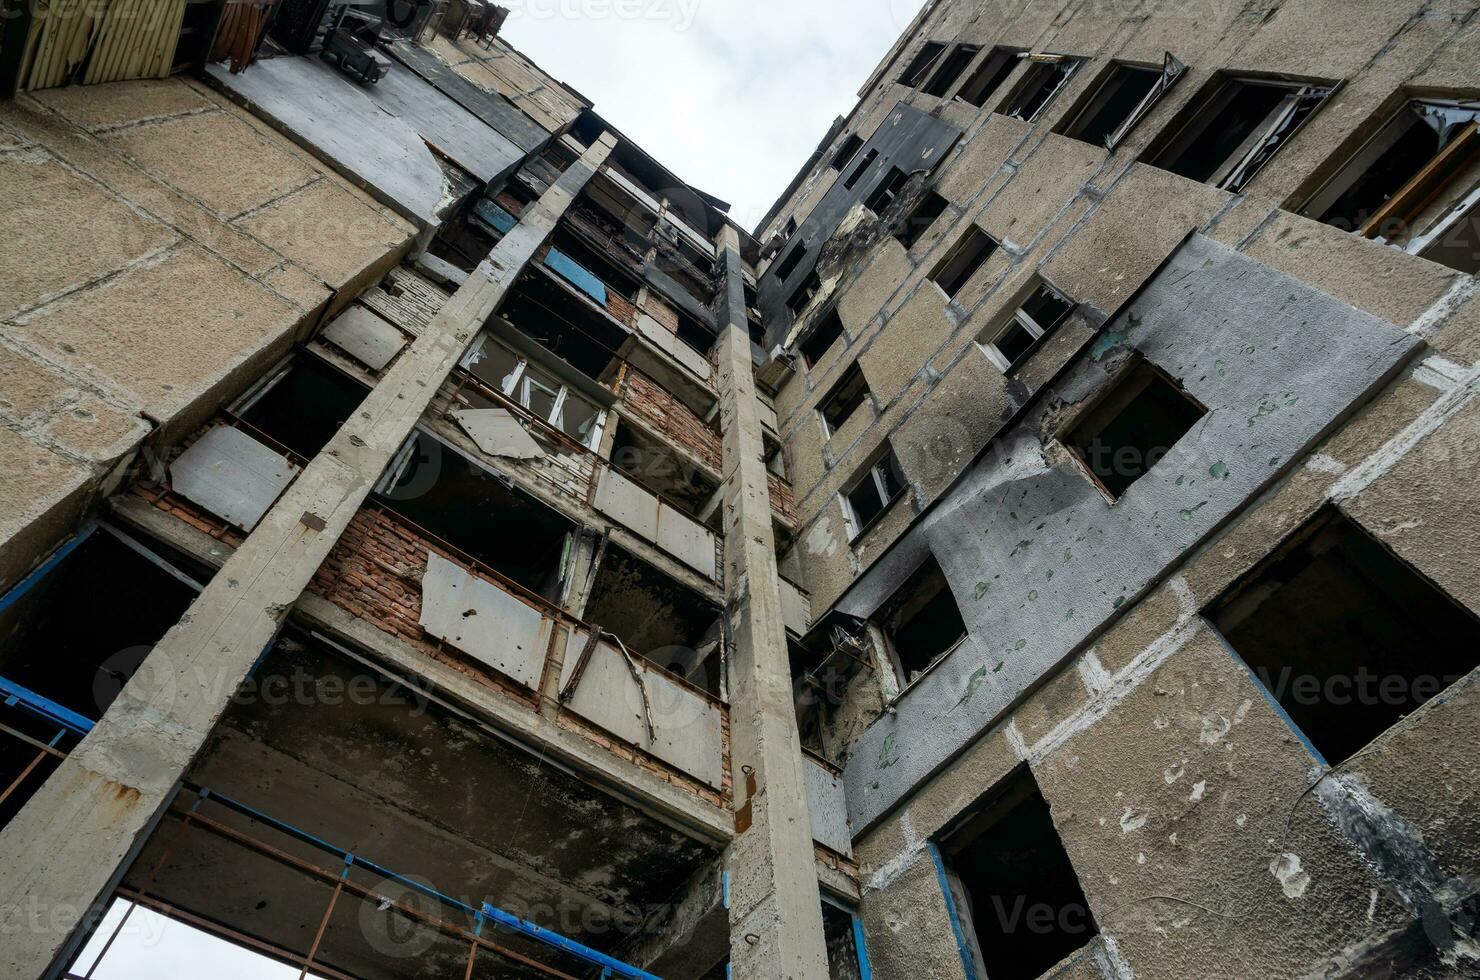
(1218, 471)
(1187, 513)
(972, 683)
(1107, 342)
(887, 757)
(981, 589)
(998, 669)
(1119, 602)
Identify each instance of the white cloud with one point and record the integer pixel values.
(731, 95)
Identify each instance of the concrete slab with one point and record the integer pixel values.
(48, 250)
(215, 158)
(498, 433)
(827, 807)
(95, 107)
(483, 621)
(365, 337)
(336, 121)
(493, 109)
(232, 475)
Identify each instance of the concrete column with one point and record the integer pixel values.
(63, 851)
(775, 905)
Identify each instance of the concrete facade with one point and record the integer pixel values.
(1020, 556)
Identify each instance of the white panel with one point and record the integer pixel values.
(365, 337)
(685, 539)
(667, 341)
(622, 500)
(231, 475)
(483, 621)
(796, 608)
(498, 433)
(687, 728)
(828, 807)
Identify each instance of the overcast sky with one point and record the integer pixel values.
(731, 95)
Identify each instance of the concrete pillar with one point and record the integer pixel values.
(775, 905)
(62, 853)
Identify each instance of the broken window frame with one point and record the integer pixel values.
(788, 265)
(1021, 318)
(1116, 397)
(862, 168)
(958, 266)
(235, 411)
(847, 150)
(1264, 141)
(913, 228)
(886, 191)
(950, 68)
(989, 77)
(851, 378)
(517, 389)
(807, 345)
(1039, 85)
(884, 631)
(1438, 177)
(873, 476)
(1171, 71)
(915, 72)
(805, 292)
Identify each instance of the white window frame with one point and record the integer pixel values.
(855, 526)
(519, 381)
(1075, 62)
(1021, 318)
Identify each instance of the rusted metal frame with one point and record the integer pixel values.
(117, 931)
(318, 937)
(584, 660)
(24, 775)
(222, 932)
(361, 891)
(34, 742)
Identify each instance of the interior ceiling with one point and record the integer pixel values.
(418, 791)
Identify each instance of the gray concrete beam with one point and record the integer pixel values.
(61, 853)
(775, 903)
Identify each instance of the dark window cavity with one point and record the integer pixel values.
(1043, 310)
(1412, 183)
(989, 76)
(852, 143)
(820, 340)
(1233, 132)
(1122, 100)
(1046, 76)
(963, 260)
(930, 206)
(804, 293)
(1013, 885)
(1133, 427)
(1346, 636)
(301, 405)
(861, 169)
(868, 497)
(950, 69)
(883, 195)
(789, 264)
(921, 622)
(915, 73)
(846, 397)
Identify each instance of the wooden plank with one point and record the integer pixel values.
(1420, 191)
(33, 45)
(173, 26)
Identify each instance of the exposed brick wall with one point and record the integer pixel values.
(782, 500)
(661, 311)
(618, 306)
(174, 504)
(647, 400)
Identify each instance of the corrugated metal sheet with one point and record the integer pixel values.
(231, 475)
(484, 621)
(92, 41)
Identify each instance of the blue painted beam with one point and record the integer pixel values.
(13, 694)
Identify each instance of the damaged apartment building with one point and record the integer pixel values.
(438, 541)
